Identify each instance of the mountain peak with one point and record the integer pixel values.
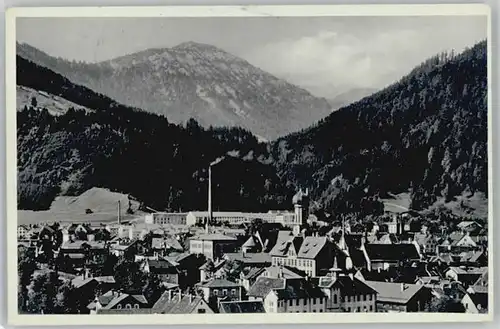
(195, 45)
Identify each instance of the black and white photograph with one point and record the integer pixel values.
(251, 165)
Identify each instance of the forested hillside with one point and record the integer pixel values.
(426, 133)
(131, 151)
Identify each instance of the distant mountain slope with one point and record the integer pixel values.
(349, 97)
(197, 81)
(426, 133)
(132, 152)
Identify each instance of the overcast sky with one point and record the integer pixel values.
(326, 55)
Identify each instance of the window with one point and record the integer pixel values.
(233, 292)
(296, 302)
(201, 310)
(371, 308)
(320, 311)
(119, 306)
(348, 309)
(224, 292)
(305, 301)
(216, 292)
(314, 311)
(358, 309)
(314, 301)
(136, 305)
(364, 297)
(290, 302)
(335, 299)
(128, 306)
(371, 296)
(359, 298)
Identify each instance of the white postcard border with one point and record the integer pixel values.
(221, 11)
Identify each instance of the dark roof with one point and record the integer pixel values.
(311, 246)
(399, 293)
(480, 299)
(160, 266)
(392, 252)
(295, 289)
(250, 258)
(348, 286)
(264, 285)
(242, 307)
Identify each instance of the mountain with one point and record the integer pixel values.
(197, 81)
(106, 144)
(349, 96)
(424, 136)
(426, 133)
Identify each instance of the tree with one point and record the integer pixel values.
(445, 304)
(26, 266)
(232, 270)
(152, 287)
(67, 300)
(42, 293)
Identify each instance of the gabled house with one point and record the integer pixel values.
(220, 289)
(172, 303)
(118, 300)
(281, 295)
(384, 256)
(465, 275)
(346, 293)
(400, 297)
(164, 269)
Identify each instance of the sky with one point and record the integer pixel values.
(325, 55)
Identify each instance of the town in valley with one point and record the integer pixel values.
(344, 171)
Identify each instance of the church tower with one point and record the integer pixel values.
(301, 206)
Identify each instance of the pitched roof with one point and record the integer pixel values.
(168, 304)
(390, 292)
(264, 285)
(78, 244)
(160, 266)
(219, 283)
(353, 287)
(285, 241)
(286, 272)
(311, 247)
(79, 282)
(392, 252)
(242, 307)
(250, 258)
(122, 296)
(295, 289)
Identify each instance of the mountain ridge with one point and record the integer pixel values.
(193, 80)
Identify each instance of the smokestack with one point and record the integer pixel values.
(209, 197)
(119, 213)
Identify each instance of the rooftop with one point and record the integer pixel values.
(242, 307)
(399, 293)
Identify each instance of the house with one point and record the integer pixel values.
(475, 302)
(311, 254)
(469, 226)
(118, 300)
(464, 274)
(220, 289)
(400, 297)
(165, 218)
(241, 306)
(172, 303)
(212, 245)
(23, 232)
(457, 242)
(253, 244)
(384, 256)
(427, 242)
(124, 248)
(346, 293)
(165, 270)
(280, 295)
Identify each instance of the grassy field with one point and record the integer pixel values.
(102, 203)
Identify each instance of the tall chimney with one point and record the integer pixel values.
(209, 197)
(119, 213)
